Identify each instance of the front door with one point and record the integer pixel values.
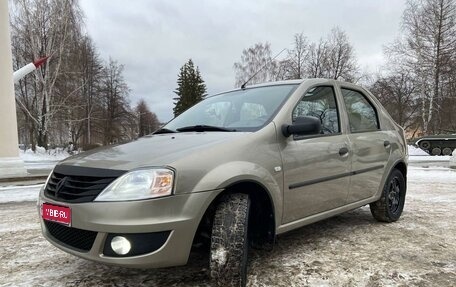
(316, 168)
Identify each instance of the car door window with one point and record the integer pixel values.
(362, 115)
(320, 102)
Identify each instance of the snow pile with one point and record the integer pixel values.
(412, 150)
(453, 160)
(42, 154)
(418, 155)
(19, 193)
(432, 176)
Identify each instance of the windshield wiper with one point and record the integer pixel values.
(204, 128)
(163, 131)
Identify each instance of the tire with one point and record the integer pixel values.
(436, 151)
(391, 204)
(425, 145)
(229, 242)
(447, 151)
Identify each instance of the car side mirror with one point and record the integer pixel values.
(302, 126)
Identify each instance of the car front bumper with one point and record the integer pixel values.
(176, 216)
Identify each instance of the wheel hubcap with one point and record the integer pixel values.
(394, 195)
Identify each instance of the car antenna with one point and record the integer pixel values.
(264, 66)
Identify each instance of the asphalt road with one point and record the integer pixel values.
(348, 250)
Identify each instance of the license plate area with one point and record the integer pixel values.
(56, 213)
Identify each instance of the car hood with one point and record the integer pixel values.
(153, 150)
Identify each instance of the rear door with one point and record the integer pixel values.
(369, 144)
(316, 168)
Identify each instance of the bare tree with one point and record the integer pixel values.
(333, 57)
(43, 27)
(256, 59)
(147, 120)
(428, 49)
(89, 72)
(317, 60)
(341, 61)
(75, 97)
(116, 114)
(397, 93)
(297, 58)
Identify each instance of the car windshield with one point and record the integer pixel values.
(241, 110)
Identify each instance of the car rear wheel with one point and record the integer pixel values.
(391, 204)
(229, 242)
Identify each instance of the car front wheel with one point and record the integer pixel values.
(390, 205)
(229, 243)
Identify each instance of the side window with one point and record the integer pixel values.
(320, 102)
(362, 115)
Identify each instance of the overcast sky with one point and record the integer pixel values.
(153, 39)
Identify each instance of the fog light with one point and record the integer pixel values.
(120, 245)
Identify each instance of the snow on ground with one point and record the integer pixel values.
(41, 154)
(413, 150)
(42, 161)
(432, 175)
(351, 249)
(429, 158)
(19, 193)
(417, 155)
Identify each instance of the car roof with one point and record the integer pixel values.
(288, 82)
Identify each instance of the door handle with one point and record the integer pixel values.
(343, 151)
(386, 143)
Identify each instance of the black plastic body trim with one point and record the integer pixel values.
(74, 238)
(87, 171)
(333, 177)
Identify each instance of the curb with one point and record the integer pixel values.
(23, 178)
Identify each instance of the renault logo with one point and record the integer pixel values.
(60, 185)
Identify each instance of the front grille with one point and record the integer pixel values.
(73, 237)
(75, 188)
(77, 184)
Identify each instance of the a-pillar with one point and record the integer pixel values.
(10, 163)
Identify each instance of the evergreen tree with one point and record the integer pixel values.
(190, 88)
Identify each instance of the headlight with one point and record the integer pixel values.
(139, 184)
